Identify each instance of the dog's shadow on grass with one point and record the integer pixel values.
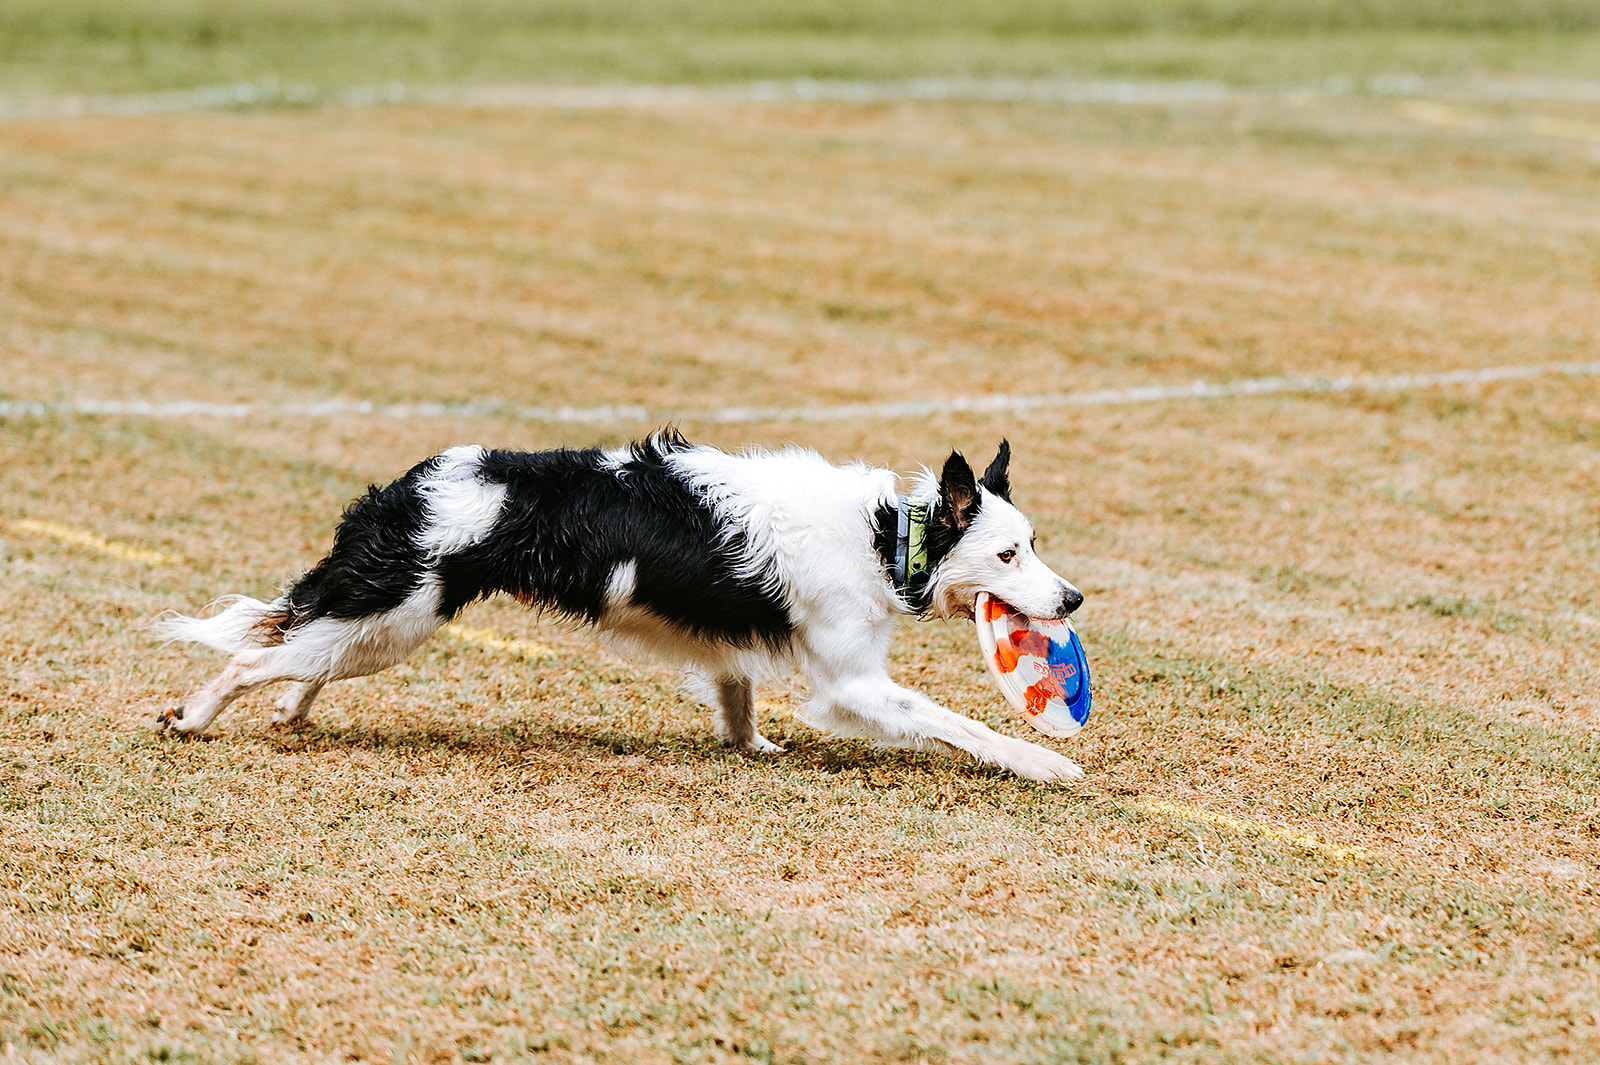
(530, 746)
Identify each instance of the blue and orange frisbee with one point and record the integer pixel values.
(1038, 665)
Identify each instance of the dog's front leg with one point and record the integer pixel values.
(875, 707)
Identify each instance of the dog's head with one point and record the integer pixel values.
(979, 542)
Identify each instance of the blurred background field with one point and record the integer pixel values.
(1342, 802)
(107, 46)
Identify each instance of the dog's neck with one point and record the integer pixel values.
(900, 535)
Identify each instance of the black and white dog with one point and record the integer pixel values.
(734, 566)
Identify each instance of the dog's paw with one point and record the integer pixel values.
(167, 720)
(757, 744)
(1045, 766)
(172, 722)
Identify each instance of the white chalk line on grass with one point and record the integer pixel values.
(580, 97)
(793, 90)
(611, 414)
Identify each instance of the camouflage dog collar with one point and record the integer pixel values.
(911, 573)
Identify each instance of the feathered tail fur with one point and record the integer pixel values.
(242, 624)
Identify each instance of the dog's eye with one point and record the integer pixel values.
(1007, 555)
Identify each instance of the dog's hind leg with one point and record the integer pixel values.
(244, 673)
(295, 703)
(734, 716)
(312, 654)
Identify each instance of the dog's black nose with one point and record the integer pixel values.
(1071, 600)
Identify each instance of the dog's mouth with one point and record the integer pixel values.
(995, 604)
(1022, 616)
(1071, 600)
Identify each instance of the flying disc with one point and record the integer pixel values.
(1038, 665)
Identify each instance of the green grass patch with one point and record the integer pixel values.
(101, 46)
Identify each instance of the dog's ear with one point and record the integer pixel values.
(958, 493)
(995, 478)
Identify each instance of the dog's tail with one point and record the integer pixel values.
(242, 624)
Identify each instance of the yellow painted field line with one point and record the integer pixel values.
(1248, 827)
(533, 650)
(81, 538)
(1550, 126)
(1434, 114)
(78, 538)
(484, 638)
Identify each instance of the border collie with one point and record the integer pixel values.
(734, 566)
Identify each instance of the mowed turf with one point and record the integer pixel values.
(1342, 792)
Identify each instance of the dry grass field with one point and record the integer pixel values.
(1342, 802)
